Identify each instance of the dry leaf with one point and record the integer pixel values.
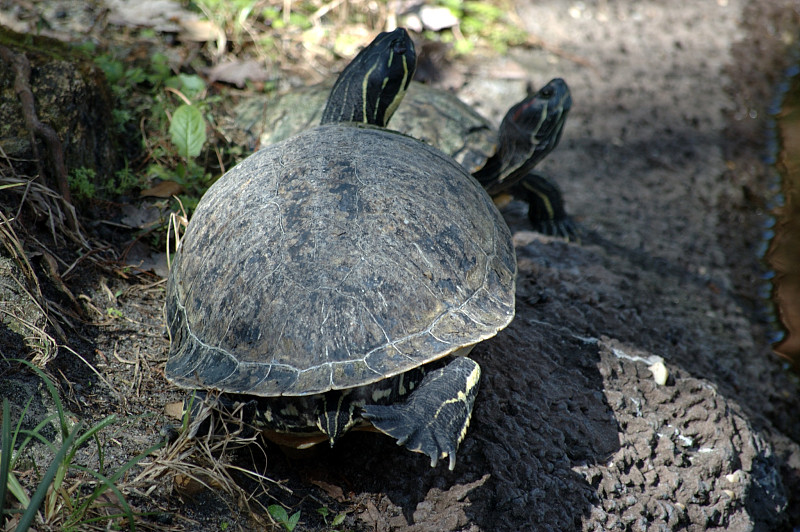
(333, 491)
(164, 189)
(188, 486)
(174, 410)
(161, 15)
(200, 31)
(238, 72)
(143, 216)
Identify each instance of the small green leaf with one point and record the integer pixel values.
(191, 84)
(339, 519)
(278, 513)
(159, 68)
(292, 522)
(113, 68)
(188, 131)
(135, 75)
(300, 20)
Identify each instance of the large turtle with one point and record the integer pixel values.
(337, 279)
(503, 161)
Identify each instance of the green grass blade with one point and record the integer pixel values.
(83, 438)
(38, 497)
(110, 483)
(133, 461)
(51, 389)
(18, 431)
(5, 457)
(101, 455)
(35, 433)
(16, 489)
(90, 433)
(106, 484)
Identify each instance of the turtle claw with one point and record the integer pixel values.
(434, 418)
(564, 228)
(402, 423)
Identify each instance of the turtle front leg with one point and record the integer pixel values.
(434, 418)
(545, 207)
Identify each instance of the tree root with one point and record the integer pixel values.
(22, 74)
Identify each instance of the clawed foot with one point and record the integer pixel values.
(434, 418)
(564, 228)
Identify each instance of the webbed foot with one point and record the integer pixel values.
(434, 418)
(546, 210)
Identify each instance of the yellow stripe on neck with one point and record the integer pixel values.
(364, 92)
(390, 109)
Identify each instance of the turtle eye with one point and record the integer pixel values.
(399, 46)
(546, 92)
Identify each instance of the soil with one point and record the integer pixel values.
(662, 165)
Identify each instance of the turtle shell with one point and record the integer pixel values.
(337, 258)
(431, 115)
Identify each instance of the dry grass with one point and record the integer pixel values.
(185, 465)
(198, 459)
(31, 312)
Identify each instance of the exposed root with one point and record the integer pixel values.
(22, 74)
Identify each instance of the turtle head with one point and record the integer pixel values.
(530, 130)
(371, 87)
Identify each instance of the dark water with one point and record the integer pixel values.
(783, 253)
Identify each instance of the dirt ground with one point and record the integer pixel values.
(662, 165)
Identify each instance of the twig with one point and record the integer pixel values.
(120, 397)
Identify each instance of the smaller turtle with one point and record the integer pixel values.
(502, 161)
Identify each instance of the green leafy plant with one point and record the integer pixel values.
(81, 183)
(124, 180)
(296, 19)
(179, 136)
(189, 85)
(123, 79)
(238, 19)
(144, 91)
(57, 501)
(188, 131)
(280, 516)
(337, 520)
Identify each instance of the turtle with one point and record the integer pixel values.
(503, 161)
(338, 279)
